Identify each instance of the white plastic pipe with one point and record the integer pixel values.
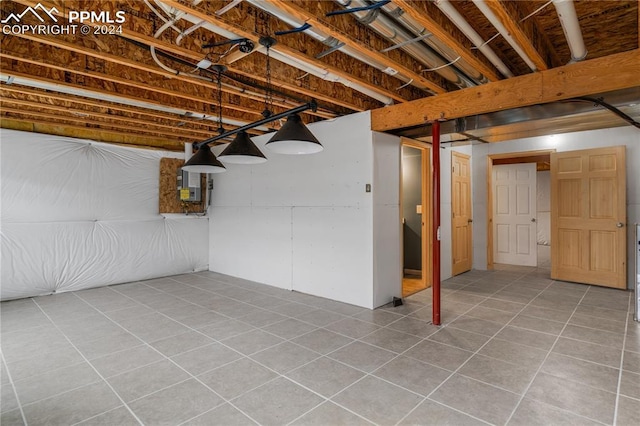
(188, 150)
(480, 4)
(459, 21)
(571, 27)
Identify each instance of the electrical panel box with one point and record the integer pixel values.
(189, 188)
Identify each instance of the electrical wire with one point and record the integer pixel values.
(616, 111)
(442, 66)
(285, 97)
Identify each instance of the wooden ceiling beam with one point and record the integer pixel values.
(140, 93)
(284, 49)
(357, 45)
(122, 60)
(128, 122)
(97, 91)
(323, 91)
(517, 33)
(31, 124)
(58, 116)
(605, 74)
(32, 52)
(208, 126)
(431, 24)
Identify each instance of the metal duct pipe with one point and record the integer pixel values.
(330, 41)
(480, 4)
(571, 28)
(436, 44)
(398, 35)
(286, 59)
(455, 17)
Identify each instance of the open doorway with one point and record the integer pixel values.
(415, 208)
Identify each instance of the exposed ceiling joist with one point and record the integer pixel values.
(517, 33)
(355, 44)
(286, 50)
(27, 122)
(175, 120)
(345, 61)
(205, 100)
(140, 66)
(614, 72)
(90, 123)
(353, 103)
(435, 27)
(123, 122)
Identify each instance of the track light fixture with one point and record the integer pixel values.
(292, 138)
(204, 156)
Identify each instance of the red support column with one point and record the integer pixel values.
(435, 284)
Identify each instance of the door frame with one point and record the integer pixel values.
(427, 202)
(506, 158)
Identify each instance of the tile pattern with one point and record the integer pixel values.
(515, 348)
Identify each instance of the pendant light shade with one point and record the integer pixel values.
(242, 151)
(204, 161)
(294, 138)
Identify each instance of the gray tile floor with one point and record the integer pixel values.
(516, 348)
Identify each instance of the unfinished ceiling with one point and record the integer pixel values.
(143, 73)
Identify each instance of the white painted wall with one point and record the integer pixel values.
(628, 136)
(78, 214)
(387, 229)
(305, 223)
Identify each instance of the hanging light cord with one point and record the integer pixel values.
(268, 99)
(220, 128)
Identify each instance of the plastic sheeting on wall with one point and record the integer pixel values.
(78, 214)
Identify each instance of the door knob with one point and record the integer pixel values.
(619, 224)
(533, 219)
(469, 220)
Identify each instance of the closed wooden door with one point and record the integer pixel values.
(588, 216)
(514, 214)
(461, 220)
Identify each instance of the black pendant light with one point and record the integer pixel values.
(242, 151)
(204, 161)
(294, 138)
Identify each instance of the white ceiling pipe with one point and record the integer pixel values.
(395, 33)
(571, 27)
(459, 21)
(321, 36)
(288, 60)
(117, 99)
(414, 27)
(188, 150)
(480, 4)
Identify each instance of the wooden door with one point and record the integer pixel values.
(588, 217)
(461, 213)
(514, 214)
